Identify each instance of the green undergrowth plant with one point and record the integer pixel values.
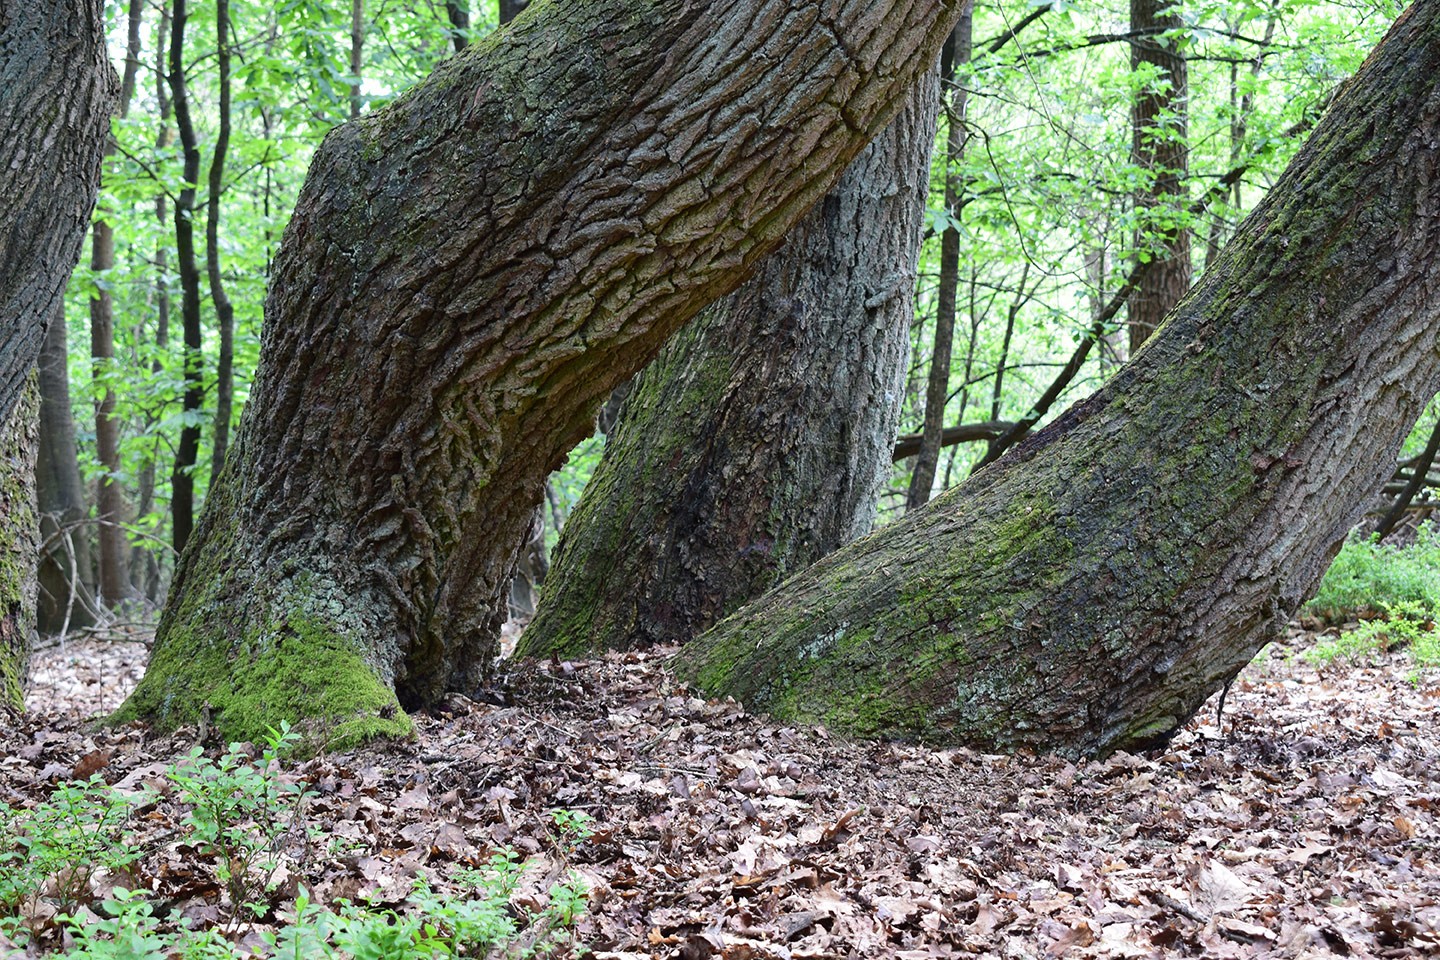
(1367, 575)
(1390, 594)
(238, 813)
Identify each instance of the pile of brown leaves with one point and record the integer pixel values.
(1309, 829)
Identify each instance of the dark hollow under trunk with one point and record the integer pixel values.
(759, 439)
(1087, 592)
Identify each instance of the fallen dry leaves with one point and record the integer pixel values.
(1309, 830)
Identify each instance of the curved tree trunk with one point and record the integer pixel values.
(1088, 591)
(758, 440)
(466, 276)
(56, 90)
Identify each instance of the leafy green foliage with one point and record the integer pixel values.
(1368, 576)
(238, 812)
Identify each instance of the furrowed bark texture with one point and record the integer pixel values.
(467, 275)
(56, 90)
(1087, 592)
(19, 437)
(758, 440)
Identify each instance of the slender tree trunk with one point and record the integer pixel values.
(459, 16)
(56, 91)
(467, 275)
(510, 9)
(759, 439)
(357, 51)
(66, 574)
(224, 311)
(1161, 148)
(937, 389)
(110, 492)
(142, 558)
(182, 478)
(1087, 592)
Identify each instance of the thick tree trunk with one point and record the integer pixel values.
(467, 274)
(56, 90)
(758, 440)
(1087, 592)
(66, 596)
(19, 437)
(1161, 147)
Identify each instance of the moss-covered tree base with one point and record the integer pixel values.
(1087, 592)
(252, 653)
(19, 438)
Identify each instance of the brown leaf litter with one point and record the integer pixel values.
(1308, 830)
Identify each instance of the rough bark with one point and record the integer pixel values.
(466, 276)
(19, 437)
(937, 384)
(1159, 126)
(66, 597)
(1088, 591)
(759, 439)
(56, 89)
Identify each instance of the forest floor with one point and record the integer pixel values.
(1309, 828)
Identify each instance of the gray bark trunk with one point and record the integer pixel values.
(1087, 592)
(467, 275)
(56, 90)
(19, 437)
(759, 439)
(66, 597)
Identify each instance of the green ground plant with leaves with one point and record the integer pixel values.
(71, 875)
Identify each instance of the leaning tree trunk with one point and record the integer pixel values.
(467, 274)
(759, 439)
(56, 89)
(1088, 591)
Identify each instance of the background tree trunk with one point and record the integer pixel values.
(114, 579)
(65, 572)
(56, 90)
(1161, 147)
(467, 274)
(182, 478)
(759, 439)
(224, 311)
(937, 388)
(1087, 592)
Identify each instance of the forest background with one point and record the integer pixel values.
(1039, 211)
